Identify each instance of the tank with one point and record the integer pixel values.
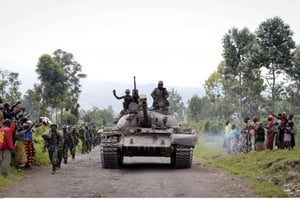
(143, 131)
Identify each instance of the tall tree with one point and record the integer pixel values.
(293, 90)
(200, 108)
(60, 83)
(194, 108)
(96, 116)
(237, 45)
(221, 93)
(72, 69)
(32, 100)
(176, 105)
(9, 86)
(273, 51)
(52, 79)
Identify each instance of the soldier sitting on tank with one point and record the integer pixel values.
(160, 95)
(127, 100)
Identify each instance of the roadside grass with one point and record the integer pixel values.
(40, 158)
(260, 168)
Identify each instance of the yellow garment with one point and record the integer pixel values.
(227, 131)
(20, 153)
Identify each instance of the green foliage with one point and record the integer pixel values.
(60, 86)
(255, 64)
(69, 118)
(208, 127)
(96, 116)
(13, 175)
(40, 158)
(9, 86)
(176, 105)
(200, 108)
(257, 167)
(273, 51)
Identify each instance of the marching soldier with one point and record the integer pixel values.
(53, 141)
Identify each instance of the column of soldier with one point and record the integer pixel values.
(17, 142)
(278, 133)
(59, 144)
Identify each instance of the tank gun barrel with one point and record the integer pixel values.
(135, 92)
(146, 122)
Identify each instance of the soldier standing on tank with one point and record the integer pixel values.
(160, 97)
(127, 100)
(53, 141)
(68, 143)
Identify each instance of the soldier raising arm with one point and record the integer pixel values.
(127, 98)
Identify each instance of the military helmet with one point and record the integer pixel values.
(160, 83)
(127, 91)
(53, 125)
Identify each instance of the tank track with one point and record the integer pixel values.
(183, 157)
(109, 153)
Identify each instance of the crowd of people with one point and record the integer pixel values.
(17, 147)
(278, 133)
(15, 136)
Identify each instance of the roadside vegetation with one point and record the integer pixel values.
(41, 159)
(271, 173)
(259, 75)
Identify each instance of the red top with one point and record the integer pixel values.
(6, 139)
(284, 120)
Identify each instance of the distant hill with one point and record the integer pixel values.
(99, 93)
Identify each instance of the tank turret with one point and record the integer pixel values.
(146, 132)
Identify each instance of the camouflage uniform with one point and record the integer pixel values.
(95, 136)
(88, 139)
(53, 141)
(83, 138)
(75, 136)
(68, 144)
(160, 95)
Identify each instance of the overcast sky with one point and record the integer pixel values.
(179, 42)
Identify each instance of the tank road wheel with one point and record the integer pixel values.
(110, 157)
(120, 159)
(182, 157)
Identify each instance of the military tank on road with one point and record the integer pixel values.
(142, 131)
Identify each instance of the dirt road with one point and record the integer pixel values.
(140, 177)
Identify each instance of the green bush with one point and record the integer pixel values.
(210, 127)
